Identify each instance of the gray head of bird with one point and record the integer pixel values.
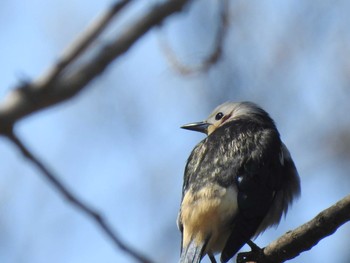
(224, 113)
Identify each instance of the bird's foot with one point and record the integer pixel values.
(256, 255)
(212, 258)
(254, 247)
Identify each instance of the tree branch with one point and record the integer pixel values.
(84, 41)
(45, 92)
(74, 200)
(215, 54)
(303, 238)
(309, 234)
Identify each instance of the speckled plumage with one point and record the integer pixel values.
(238, 181)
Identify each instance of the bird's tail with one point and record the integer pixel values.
(193, 253)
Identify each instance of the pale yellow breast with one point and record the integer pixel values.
(208, 213)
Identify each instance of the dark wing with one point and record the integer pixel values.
(257, 179)
(194, 164)
(287, 192)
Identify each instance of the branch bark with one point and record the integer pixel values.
(303, 238)
(84, 41)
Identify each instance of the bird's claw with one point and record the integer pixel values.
(256, 255)
(254, 247)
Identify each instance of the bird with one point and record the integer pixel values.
(238, 181)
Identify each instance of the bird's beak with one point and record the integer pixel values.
(201, 126)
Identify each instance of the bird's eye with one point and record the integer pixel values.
(219, 116)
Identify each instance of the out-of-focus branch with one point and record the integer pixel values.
(74, 200)
(83, 42)
(303, 238)
(215, 54)
(31, 97)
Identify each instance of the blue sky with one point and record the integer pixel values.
(118, 144)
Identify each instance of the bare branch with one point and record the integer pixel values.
(309, 234)
(74, 200)
(82, 43)
(31, 97)
(303, 238)
(212, 58)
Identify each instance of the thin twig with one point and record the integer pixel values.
(212, 58)
(74, 200)
(83, 42)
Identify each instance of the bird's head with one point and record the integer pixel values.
(224, 113)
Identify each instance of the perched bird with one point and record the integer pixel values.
(238, 181)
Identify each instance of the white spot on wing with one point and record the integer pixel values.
(285, 152)
(281, 156)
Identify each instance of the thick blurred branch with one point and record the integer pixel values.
(64, 84)
(83, 42)
(303, 238)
